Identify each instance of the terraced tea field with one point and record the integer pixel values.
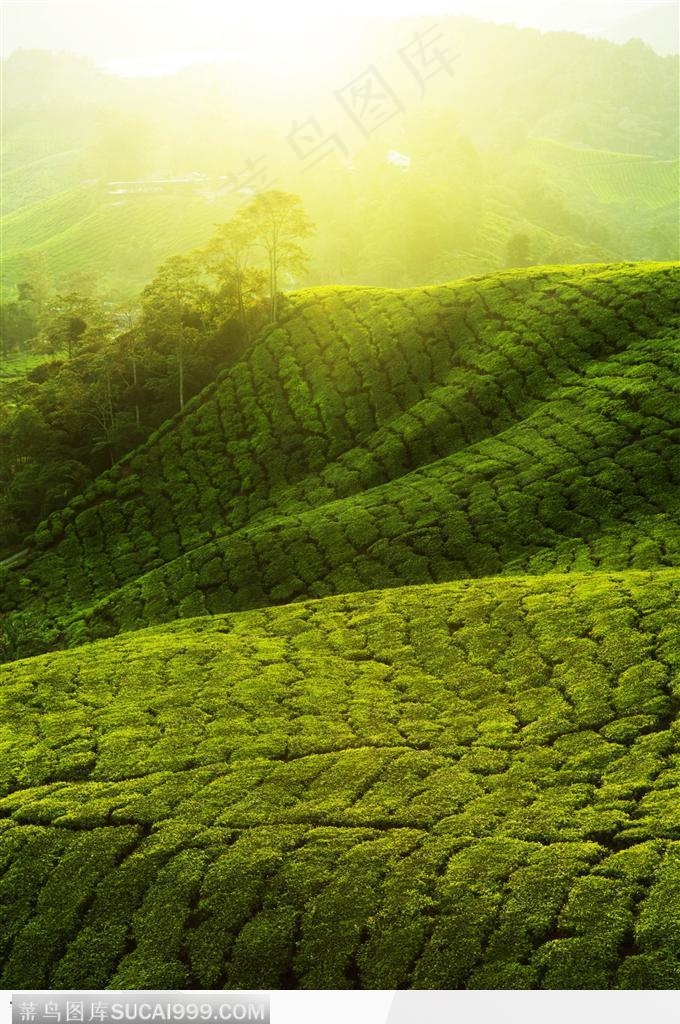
(522, 422)
(628, 178)
(471, 784)
(86, 227)
(404, 712)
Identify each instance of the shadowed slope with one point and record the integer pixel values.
(523, 422)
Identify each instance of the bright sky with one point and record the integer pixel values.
(155, 36)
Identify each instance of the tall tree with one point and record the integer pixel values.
(518, 251)
(277, 221)
(229, 257)
(175, 306)
(66, 320)
(128, 318)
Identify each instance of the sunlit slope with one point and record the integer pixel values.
(523, 422)
(465, 785)
(87, 228)
(631, 179)
(37, 180)
(122, 238)
(499, 225)
(578, 206)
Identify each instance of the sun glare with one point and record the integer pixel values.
(283, 44)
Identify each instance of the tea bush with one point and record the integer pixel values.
(471, 784)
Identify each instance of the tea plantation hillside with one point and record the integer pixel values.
(524, 422)
(84, 227)
(473, 785)
(611, 178)
(434, 740)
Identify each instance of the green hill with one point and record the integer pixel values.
(465, 785)
(38, 180)
(415, 722)
(627, 178)
(522, 422)
(85, 227)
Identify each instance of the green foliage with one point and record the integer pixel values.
(523, 422)
(440, 786)
(572, 141)
(467, 783)
(111, 378)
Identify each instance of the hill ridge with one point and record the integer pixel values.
(374, 417)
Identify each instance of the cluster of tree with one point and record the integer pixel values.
(112, 374)
(226, 281)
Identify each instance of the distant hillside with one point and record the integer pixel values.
(88, 228)
(525, 422)
(610, 178)
(575, 205)
(658, 26)
(474, 180)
